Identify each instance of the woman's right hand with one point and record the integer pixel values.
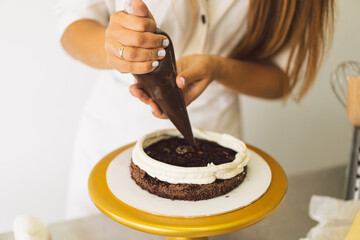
(143, 48)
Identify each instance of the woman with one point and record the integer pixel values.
(259, 48)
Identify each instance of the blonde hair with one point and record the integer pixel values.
(304, 26)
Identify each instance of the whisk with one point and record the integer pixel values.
(345, 83)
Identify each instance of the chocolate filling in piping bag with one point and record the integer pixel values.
(160, 85)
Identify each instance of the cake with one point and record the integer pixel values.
(163, 164)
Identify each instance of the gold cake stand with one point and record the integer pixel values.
(181, 228)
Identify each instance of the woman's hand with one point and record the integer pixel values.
(143, 48)
(195, 72)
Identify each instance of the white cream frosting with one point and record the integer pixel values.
(196, 175)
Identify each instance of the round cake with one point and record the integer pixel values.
(163, 164)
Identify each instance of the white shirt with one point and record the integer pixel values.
(112, 117)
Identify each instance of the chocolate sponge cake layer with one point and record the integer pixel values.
(182, 191)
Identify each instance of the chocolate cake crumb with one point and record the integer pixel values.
(175, 151)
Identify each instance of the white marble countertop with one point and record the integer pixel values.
(290, 221)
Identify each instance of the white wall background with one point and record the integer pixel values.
(315, 133)
(42, 92)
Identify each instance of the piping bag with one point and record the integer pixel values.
(160, 85)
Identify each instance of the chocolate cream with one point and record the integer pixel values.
(160, 85)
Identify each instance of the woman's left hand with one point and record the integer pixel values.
(195, 73)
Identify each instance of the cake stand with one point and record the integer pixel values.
(182, 228)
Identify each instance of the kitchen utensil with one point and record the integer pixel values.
(160, 85)
(345, 82)
(353, 100)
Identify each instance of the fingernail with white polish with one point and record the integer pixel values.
(182, 80)
(155, 64)
(166, 42)
(151, 108)
(161, 53)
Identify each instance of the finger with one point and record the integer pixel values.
(156, 110)
(192, 91)
(139, 39)
(124, 66)
(140, 9)
(180, 82)
(134, 23)
(139, 93)
(190, 75)
(161, 116)
(133, 54)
